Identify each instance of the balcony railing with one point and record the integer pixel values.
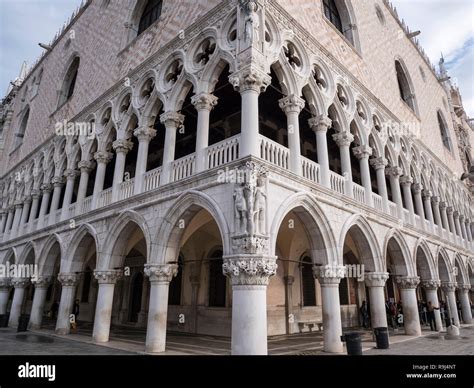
(105, 198)
(126, 189)
(274, 152)
(359, 193)
(152, 179)
(183, 168)
(337, 182)
(223, 152)
(310, 169)
(378, 202)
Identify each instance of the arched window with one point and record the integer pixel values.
(217, 281)
(444, 132)
(69, 82)
(337, 13)
(150, 14)
(22, 129)
(36, 83)
(307, 282)
(406, 93)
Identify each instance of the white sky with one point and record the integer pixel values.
(446, 26)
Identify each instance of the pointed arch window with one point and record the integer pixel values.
(151, 14)
(307, 282)
(69, 83)
(406, 94)
(339, 15)
(22, 129)
(444, 132)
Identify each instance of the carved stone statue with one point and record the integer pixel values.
(240, 209)
(252, 24)
(260, 204)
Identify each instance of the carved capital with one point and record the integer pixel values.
(108, 276)
(250, 270)
(68, 279)
(20, 282)
(250, 78)
(18, 204)
(376, 279)
(379, 163)
(320, 124)
(417, 188)
(291, 103)
(71, 174)
(408, 282)
(443, 205)
(35, 194)
(449, 210)
(5, 282)
(406, 180)
(343, 139)
(456, 214)
(204, 101)
(41, 281)
(394, 171)
(86, 166)
(435, 200)
(427, 194)
(172, 119)
(329, 275)
(161, 273)
(58, 181)
(122, 146)
(448, 286)
(431, 284)
(464, 288)
(145, 133)
(461, 218)
(361, 152)
(103, 157)
(46, 187)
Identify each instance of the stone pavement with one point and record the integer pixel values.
(129, 341)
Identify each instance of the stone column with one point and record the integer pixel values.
(468, 229)
(437, 215)
(58, 183)
(394, 176)
(5, 286)
(69, 282)
(3, 221)
(172, 121)
(41, 289)
(379, 165)
(144, 136)
(46, 188)
(329, 278)
(9, 222)
(406, 182)
(457, 224)
(102, 158)
(250, 276)
(204, 103)
(411, 316)
(160, 276)
(452, 228)
(417, 189)
(16, 219)
(121, 147)
(249, 81)
(70, 179)
(25, 212)
(375, 281)
(35, 195)
(465, 305)
(463, 227)
(444, 217)
(18, 297)
(292, 106)
(105, 298)
(86, 167)
(289, 280)
(320, 126)
(344, 140)
(427, 194)
(431, 291)
(449, 289)
(363, 153)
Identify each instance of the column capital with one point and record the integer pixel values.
(464, 288)
(122, 146)
(379, 163)
(68, 279)
(291, 103)
(20, 282)
(58, 181)
(253, 270)
(456, 214)
(41, 281)
(172, 119)
(427, 194)
(161, 273)
(204, 101)
(408, 282)
(461, 218)
(86, 165)
(417, 188)
(376, 279)
(363, 151)
(289, 280)
(450, 210)
(46, 187)
(329, 275)
(145, 133)
(431, 284)
(343, 138)
(448, 286)
(71, 174)
(26, 199)
(435, 200)
(320, 123)
(108, 276)
(5, 282)
(18, 204)
(35, 194)
(394, 171)
(250, 78)
(406, 180)
(103, 157)
(443, 205)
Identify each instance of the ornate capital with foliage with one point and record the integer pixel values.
(408, 282)
(376, 279)
(162, 273)
(108, 276)
(253, 270)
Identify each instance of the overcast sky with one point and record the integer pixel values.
(446, 26)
